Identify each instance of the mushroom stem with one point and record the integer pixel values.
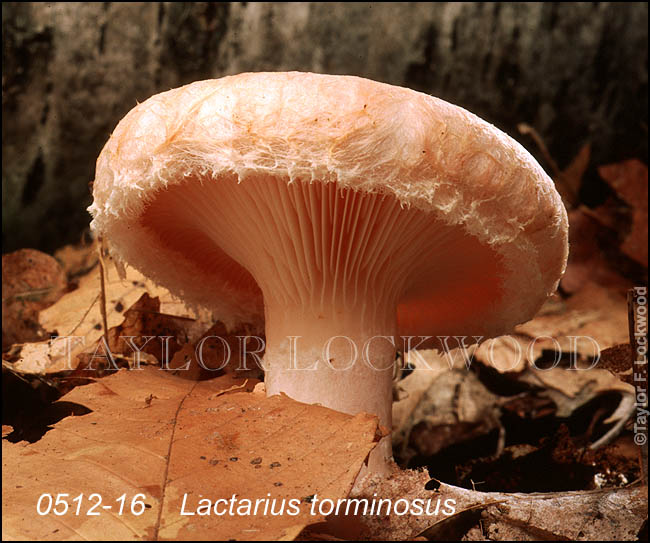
(335, 359)
(330, 264)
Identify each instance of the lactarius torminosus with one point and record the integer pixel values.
(337, 213)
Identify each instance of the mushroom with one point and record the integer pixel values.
(342, 215)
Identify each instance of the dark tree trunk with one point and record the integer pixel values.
(577, 72)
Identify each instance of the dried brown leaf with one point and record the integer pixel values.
(609, 515)
(558, 351)
(441, 406)
(591, 320)
(173, 440)
(569, 180)
(77, 260)
(589, 262)
(413, 387)
(630, 181)
(77, 315)
(571, 389)
(31, 281)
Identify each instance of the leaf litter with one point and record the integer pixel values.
(143, 430)
(174, 440)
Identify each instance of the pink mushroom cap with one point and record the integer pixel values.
(501, 225)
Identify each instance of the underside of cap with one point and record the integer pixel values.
(363, 137)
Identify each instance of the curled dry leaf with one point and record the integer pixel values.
(602, 515)
(443, 404)
(591, 320)
(76, 322)
(176, 441)
(588, 261)
(570, 390)
(559, 351)
(31, 281)
(412, 388)
(149, 330)
(33, 359)
(220, 350)
(603, 237)
(630, 181)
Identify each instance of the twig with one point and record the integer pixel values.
(231, 389)
(102, 291)
(562, 179)
(84, 315)
(528, 130)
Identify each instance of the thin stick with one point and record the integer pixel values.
(562, 184)
(102, 291)
(526, 129)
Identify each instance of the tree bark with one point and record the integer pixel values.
(577, 72)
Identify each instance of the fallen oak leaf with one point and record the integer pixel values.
(189, 441)
(75, 321)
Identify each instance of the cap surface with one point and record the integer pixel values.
(364, 136)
